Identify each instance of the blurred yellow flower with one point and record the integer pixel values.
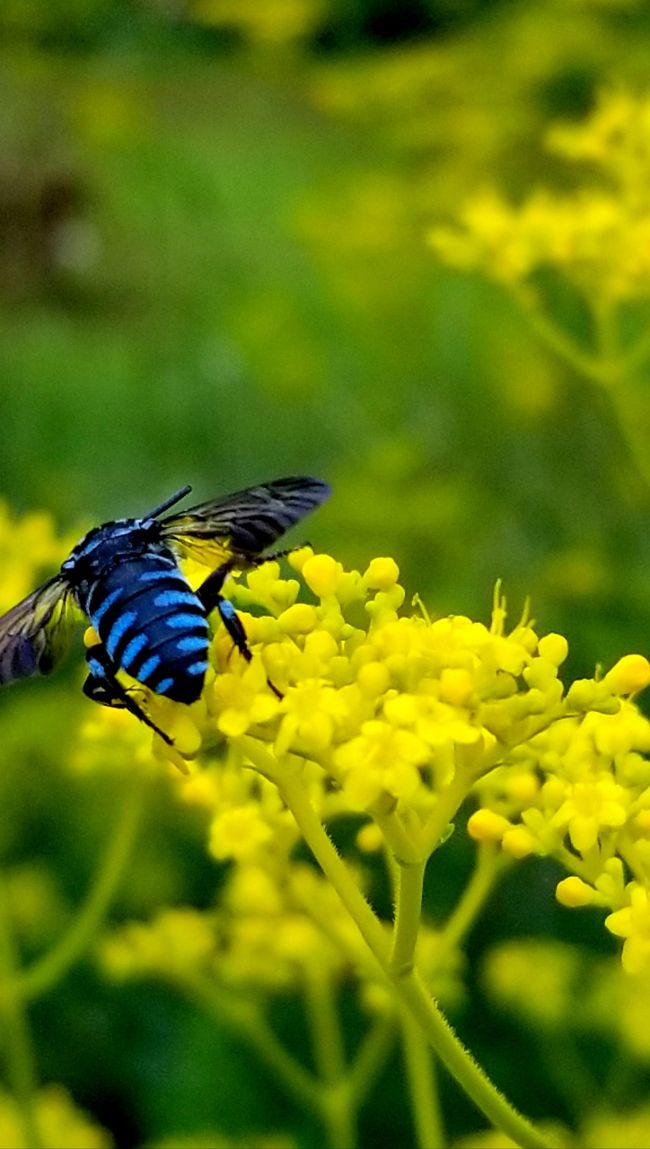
(58, 1119)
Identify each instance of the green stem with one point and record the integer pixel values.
(49, 969)
(17, 1039)
(562, 345)
(409, 989)
(449, 802)
(247, 1023)
(336, 1102)
(370, 1057)
(408, 912)
(420, 1072)
(637, 355)
(402, 844)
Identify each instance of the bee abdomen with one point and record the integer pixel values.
(153, 626)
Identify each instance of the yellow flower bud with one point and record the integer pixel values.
(456, 686)
(369, 838)
(630, 674)
(582, 693)
(518, 842)
(554, 648)
(486, 826)
(382, 573)
(322, 574)
(373, 679)
(298, 619)
(573, 892)
(298, 558)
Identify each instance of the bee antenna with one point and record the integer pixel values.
(169, 502)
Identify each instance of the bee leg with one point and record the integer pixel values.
(103, 687)
(209, 594)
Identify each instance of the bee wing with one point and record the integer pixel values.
(34, 633)
(244, 523)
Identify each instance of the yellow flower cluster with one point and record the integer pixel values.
(269, 933)
(598, 236)
(58, 1120)
(402, 717)
(29, 548)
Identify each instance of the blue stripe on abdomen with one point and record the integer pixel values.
(123, 623)
(154, 627)
(185, 621)
(132, 650)
(173, 597)
(191, 642)
(148, 668)
(97, 614)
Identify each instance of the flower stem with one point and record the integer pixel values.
(49, 969)
(337, 1102)
(408, 912)
(420, 1071)
(247, 1023)
(410, 988)
(559, 341)
(17, 1039)
(449, 802)
(370, 1057)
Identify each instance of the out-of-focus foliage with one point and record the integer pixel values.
(216, 267)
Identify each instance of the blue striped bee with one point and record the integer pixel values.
(124, 576)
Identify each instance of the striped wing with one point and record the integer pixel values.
(34, 633)
(245, 523)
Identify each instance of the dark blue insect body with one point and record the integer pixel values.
(149, 620)
(125, 578)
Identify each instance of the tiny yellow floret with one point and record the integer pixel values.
(456, 685)
(554, 647)
(381, 574)
(373, 679)
(630, 674)
(518, 842)
(487, 826)
(322, 574)
(298, 619)
(573, 892)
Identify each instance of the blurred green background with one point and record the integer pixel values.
(214, 270)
